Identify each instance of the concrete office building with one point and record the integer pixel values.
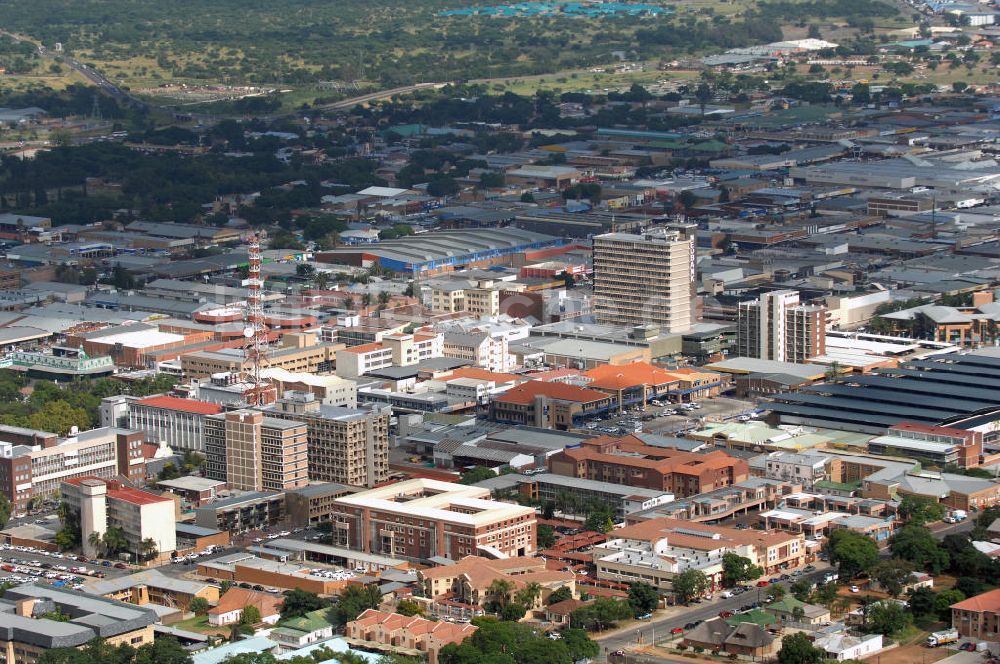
(251, 452)
(102, 504)
(777, 327)
(175, 421)
(346, 445)
(420, 519)
(34, 463)
(646, 279)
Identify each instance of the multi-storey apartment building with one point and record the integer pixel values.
(630, 461)
(777, 327)
(252, 452)
(346, 445)
(34, 463)
(420, 519)
(100, 504)
(646, 279)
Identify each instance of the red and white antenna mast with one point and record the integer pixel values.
(260, 392)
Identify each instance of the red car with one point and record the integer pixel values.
(725, 614)
(761, 584)
(677, 630)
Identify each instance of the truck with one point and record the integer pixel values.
(943, 637)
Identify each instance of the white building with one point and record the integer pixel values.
(843, 646)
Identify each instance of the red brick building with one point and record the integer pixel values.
(630, 461)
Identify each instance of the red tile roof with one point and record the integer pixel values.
(184, 405)
(988, 601)
(525, 393)
(138, 497)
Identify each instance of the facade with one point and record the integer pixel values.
(345, 445)
(480, 348)
(298, 352)
(420, 519)
(777, 327)
(646, 279)
(33, 464)
(251, 452)
(309, 506)
(250, 511)
(103, 504)
(631, 462)
(394, 633)
(657, 550)
(25, 634)
(931, 445)
(549, 405)
(978, 617)
(177, 422)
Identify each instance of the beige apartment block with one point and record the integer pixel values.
(646, 279)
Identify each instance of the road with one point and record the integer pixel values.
(673, 617)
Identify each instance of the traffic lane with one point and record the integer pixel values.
(643, 633)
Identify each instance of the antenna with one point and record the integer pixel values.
(261, 391)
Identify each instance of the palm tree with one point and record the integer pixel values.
(114, 540)
(148, 548)
(499, 591)
(94, 539)
(528, 596)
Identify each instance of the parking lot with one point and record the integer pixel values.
(671, 419)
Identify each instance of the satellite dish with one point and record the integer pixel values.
(248, 332)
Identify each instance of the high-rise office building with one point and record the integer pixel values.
(252, 452)
(646, 279)
(346, 445)
(777, 327)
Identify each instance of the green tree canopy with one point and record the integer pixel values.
(737, 568)
(852, 552)
(798, 649)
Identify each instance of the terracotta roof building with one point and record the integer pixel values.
(978, 617)
(550, 405)
(630, 461)
(405, 635)
(230, 607)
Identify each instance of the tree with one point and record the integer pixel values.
(892, 575)
(919, 510)
(476, 474)
(690, 584)
(921, 601)
(250, 615)
(944, 600)
(355, 600)
(148, 549)
(600, 521)
(198, 606)
(887, 618)
(852, 552)
(299, 602)
(736, 569)
(560, 594)
(798, 649)
(917, 545)
(801, 589)
(643, 597)
(408, 607)
(499, 593)
(545, 535)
